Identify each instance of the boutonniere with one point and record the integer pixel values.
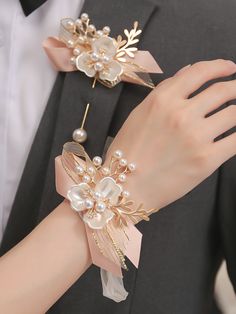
(80, 46)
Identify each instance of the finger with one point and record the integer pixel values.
(221, 121)
(199, 73)
(182, 69)
(214, 96)
(224, 149)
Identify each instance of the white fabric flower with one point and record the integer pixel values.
(108, 191)
(100, 60)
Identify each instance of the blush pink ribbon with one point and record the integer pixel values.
(60, 56)
(63, 184)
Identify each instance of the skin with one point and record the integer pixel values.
(174, 149)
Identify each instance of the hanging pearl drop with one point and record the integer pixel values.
(79, 135)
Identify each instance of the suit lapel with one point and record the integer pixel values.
(36, 195)
(29, 6)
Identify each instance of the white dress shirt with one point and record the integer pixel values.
(26, 80)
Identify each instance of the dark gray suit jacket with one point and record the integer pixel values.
(184, 243)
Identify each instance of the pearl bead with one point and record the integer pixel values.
(131, 167)
(126, 193)
(78, 22)
(91, 171)
(97, 160)
(84, 17)
(106, 30)
(86, 178)
(91, 28)
(105, 171)
(97, 195)
(70, 43)
(106, 59)
(99, 33)
(69, 24)
(72, 60)
(89, 203)
(94, 56)
(123, 162)
(118, 154)
(122, 177)
(100, 207)
(81, 39)
(76, 51)
(98, 66)
(79, 135)
(79, 170)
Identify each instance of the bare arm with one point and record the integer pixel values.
(37, 271)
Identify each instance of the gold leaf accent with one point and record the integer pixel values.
(120, 54)
(124, 45)
(121, 59)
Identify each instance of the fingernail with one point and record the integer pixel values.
(183, 69)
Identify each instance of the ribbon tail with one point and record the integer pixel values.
(58, 54)
(145, 60)
(133, 247)
(113, 287)
(98, 258)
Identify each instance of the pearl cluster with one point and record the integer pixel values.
(94, 199)
(118, 169)
(83, 33)
(122, 167)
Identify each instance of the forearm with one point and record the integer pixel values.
(37, 271)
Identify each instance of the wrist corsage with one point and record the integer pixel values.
(96, 193)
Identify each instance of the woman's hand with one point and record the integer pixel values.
(170, 138)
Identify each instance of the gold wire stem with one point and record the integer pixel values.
(85, 115)
(94, 82)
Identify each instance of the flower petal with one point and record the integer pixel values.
(104, 45)
(76, 196)
(109, 189)
(82, 63)
(99, 220)
(111, 72)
